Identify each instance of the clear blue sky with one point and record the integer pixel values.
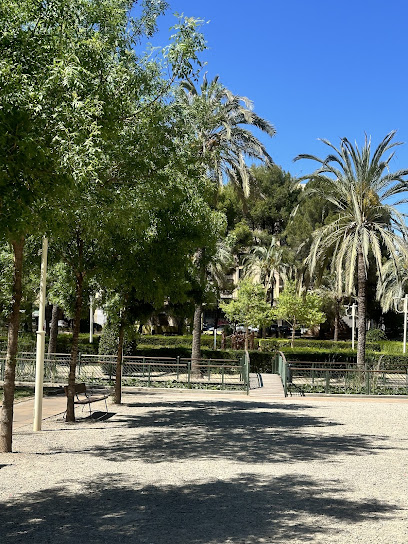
(314, 68)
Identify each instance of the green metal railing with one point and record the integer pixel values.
(137, 371)
(339, 378)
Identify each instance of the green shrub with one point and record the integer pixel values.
(64, 343)
(375, 335)
(272, 344)
(109, 341)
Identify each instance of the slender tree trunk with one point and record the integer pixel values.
(196, 345)
(52, 344)
(6, 416)
(361, 300)
(48, 317)
(336, 320)
(74, 349)
(292, 342)
(246, 342)
(119, 362)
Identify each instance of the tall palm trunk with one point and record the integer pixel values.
(196, 345)
(74, 349)
(52, 345)
(361, 299)
(119, 363)
(6, 416)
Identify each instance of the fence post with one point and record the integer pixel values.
(367, 373)
(327, 381)
(285, 378)
(148, 374)
(143, 367)
(222, 377)
(189, 374)
(79, 364)
(178, 367)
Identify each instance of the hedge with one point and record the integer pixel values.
(271, 344)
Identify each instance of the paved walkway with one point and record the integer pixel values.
(272, 388)
(24, 410)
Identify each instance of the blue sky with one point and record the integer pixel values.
(313, 68)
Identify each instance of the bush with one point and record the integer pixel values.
(375, 335)
(64, 343)
(273, 344)
(109, 341)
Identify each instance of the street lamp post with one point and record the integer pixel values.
(404, 311)
(39, 365)
(353, 320)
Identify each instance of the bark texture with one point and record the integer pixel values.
(6, 416)
(361, 299)
(74, 349)
(119, 363)
(52, 345)
(196, 345)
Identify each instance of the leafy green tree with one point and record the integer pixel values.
(359, 185)
(250, 307)
(222, 122)
(273, 197)
(71, 83)
(298, 308)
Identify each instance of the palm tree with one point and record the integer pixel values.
(394, 283)
(264, 262)
(224, 141)
(220, 120)
(360, 186)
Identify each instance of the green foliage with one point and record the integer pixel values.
(375, 335)
(271, 344)
(6, 278)
(274, 195)
(109, 340)
(303, 309)
(250, 307)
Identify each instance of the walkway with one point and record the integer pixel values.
(24, 410)
(272, 388)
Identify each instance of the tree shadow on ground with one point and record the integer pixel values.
(244, 432)
(246, 509)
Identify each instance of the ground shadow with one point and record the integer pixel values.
(244, 509)
(245, 432)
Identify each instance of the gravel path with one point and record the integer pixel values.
(168, 468)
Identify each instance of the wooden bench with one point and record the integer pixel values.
(83, 397)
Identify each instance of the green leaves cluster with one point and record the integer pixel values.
(299, 308)
(250, 307)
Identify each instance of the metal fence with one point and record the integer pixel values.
(340, 378)
(136, 371)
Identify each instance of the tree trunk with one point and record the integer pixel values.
(119, 362)
(246, 342)
(292, 342)
(52, 344)
(336, 320)
(196, 345)
(361, 300)
(74, 349)
(6, 416)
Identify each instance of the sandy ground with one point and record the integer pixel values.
(194, 469)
